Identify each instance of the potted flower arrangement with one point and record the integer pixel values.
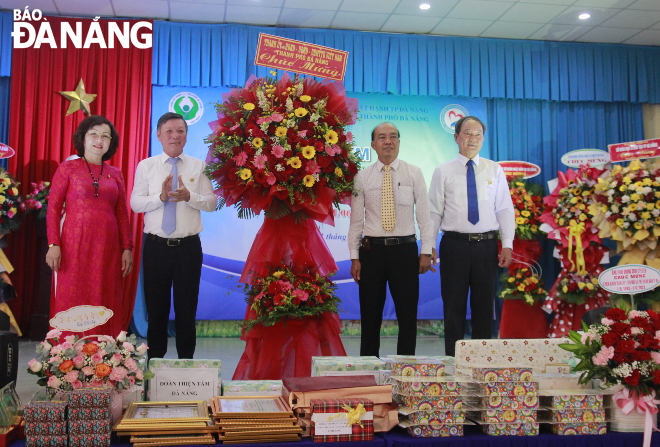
(623, 350)
(523, 292)
(524, 284)
(10, 203)
(527, 201)
(37, 200)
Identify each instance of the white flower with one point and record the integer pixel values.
(626, 224)
(632, 216)
(647, 190)
(121, 337)
(615, 208)
(608, 214)
(279, 167)
(632, 186)
(655, 212)
(289, 105)
(625, 199)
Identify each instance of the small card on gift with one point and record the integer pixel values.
(557, 368)
(331, 420)
(43, 411)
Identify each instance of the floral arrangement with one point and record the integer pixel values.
(72, 363)
(10, 203)
(37, 200)
(627, 210)
(623, 349)
(571, 200)
(576, 288)
(282, 146)
(528, 204)
(524, 284)
(285, 293)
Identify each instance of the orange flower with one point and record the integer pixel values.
(90, 349)
(102, 370)
(66, 366)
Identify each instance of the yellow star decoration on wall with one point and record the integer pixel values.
(79, 99)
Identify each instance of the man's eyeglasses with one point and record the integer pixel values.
(104, 136)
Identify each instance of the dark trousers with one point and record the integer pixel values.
(166, 270)
(397, 265)
(467, 266)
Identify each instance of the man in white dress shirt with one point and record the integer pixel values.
(388, 195)
(470, 201)
(171, 189)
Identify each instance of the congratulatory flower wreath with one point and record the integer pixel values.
(282, 146)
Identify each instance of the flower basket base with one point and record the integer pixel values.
(520, 320)
(286, 350)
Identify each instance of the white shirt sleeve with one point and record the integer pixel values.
(206, 200)
(422, 213)
(436, 201)
(357, 218)
(141, 201)
(504, 212)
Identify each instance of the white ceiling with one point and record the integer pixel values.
(635, 22)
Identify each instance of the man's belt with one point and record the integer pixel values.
(173, 241)
(391, 240)
(475, 237)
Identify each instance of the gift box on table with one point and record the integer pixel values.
(45, 411)
(423, 402)
(90, 397)
(560, 400)
(433, 430)
(331, 420)
(507, 388)
(91, 426)
(89, 440)
(430, 387)
(578, 415)
(49, 428)
(529, 401)
(522, 429)
(89, 413)
(436, 417)
(416, 368)
(252, 388)
(502, 373)
(349, 364)
(509, 416)
(46, 441)
(580, 428)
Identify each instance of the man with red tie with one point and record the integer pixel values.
(470, 201)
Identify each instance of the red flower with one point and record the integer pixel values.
(633, 379)
(621, 328)
(625, 346)
(616, 314)
(656, 377)
(610, 339)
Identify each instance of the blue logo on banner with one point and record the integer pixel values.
(450, 114)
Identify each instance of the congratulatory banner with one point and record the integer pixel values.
(427, 140)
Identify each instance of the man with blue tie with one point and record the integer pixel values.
(171, 189)
(470, 201)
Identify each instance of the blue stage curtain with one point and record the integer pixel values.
(542, 131)
(199, 55)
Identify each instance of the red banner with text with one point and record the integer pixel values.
(634, 150)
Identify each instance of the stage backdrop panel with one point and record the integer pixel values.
(427, 140)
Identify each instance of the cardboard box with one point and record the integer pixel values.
(329, 424)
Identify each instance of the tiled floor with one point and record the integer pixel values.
(228, 350)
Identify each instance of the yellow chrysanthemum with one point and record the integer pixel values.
(634, 197)
(622, 188)
(657, 219)
(248, 106)
(627, 180)
(294, 162)
(6, 181)
(638, 184)
(534, 228)
(583, 217)
(246, 174)
(647, 181)
(633, 207)
(308, 181)
(590, 286)
(646, 215)
(280, 132)
(300, 112)
(339, 172)
(657, 204)
(564, 289)
(657, 194)
(521, 287)
(511, 279)
(526, 213)
(619, 222)
(257, 142)
(305, 98)
(13, 210)
(581, 285)
(520, 220)
(574, 200)
(594, 280)
(308, 152)
(278, 274)
(650, 206)
(331, 137)
(604, 208)
(638, 225)
(2, 199)
(585, 193)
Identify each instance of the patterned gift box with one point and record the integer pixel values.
(346, 364)
(502, 373)
(421, 402)
(435, 417)
(529, 352)
(50, 428)
(89, 440)
(43, 411)
(333, 407)
(251, 387)
(508, 388)
(429, 388)
(411, 369)
(589, 428)
(187, 363)
(78, 414)
(523, 429)
(90, 397)
(510, 402)
(430, 431)
(46, 441)
(509, 416)
(578, 415)
(92, 427)
(575, 401)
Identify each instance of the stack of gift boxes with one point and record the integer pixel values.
(575, 412)
(90, 423)
(45, 424)
(431, 404)
(338, 366)
(505, 399)
(339, 420)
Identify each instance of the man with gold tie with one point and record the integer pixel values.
(388, 196)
